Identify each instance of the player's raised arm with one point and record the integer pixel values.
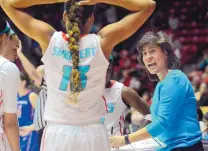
(36, 29)
(113, 34)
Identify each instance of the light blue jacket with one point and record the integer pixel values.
(173, 111)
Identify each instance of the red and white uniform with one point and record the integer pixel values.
(9, 83)
(117, 110)
(75, 126)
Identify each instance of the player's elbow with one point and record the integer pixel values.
(6, 2)
(10, 3)
(151, 5)
(10, 125)
(149, 9)
(10, 121)
(6, 5)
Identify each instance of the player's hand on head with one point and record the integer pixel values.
(87, 2)
(117, 141)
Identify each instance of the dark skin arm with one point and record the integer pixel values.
(130, 97)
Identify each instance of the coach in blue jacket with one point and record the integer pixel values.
(174, 118)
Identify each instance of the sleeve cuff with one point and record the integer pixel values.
(155, 128)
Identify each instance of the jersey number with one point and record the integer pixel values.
(67, 73)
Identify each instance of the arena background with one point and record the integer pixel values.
(186, 21)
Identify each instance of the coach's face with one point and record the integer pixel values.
(155, 60)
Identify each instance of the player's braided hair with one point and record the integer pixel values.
(76, 18)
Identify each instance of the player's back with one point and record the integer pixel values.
(58, 67)
(117, 110)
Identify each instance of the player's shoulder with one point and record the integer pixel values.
(115, 86)
(10, 68)
(116, 83)
(33, 95)
(57, 35)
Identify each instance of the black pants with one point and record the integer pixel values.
(196, 147)
(40, 132)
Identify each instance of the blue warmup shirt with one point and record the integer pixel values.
(25, 118)
(25, 110)
(173, 111)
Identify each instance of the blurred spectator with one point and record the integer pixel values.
(203, 125)
(135, 84)
(201, 95)
(205, 74)
(195, 82)
(204, 62)
(111, 15)
(177, 45)
(125, 77)
(146, 98)
(173, 22)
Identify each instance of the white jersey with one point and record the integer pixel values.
(117, 110)
(58, 66)
(9, 83)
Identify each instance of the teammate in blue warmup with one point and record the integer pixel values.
(26, 107)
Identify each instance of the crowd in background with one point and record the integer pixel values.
(185, 21)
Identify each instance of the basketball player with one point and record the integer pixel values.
(119, 99)
(26, 107)
(75, 68)
(9, 82)
(37, 76)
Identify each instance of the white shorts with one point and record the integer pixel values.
(4, 144)
(92, 137)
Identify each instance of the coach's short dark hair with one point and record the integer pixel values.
(165, 43)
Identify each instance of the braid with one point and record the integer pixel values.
(73, 24)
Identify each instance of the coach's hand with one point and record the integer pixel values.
(117, 141)
(88, 2)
